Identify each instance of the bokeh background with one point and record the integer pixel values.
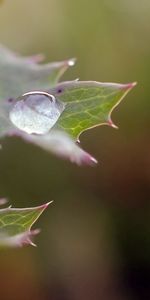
(95, 239)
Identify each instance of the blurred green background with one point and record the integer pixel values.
(95, 239)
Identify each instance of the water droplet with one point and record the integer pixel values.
(36, 112)
(71, 62)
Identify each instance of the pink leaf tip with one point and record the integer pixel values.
(129, 86)
(87, 159)
(44, 206)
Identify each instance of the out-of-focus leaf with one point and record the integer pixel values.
(88, 104)
(60, 144)
(22, 74)
(16, 223)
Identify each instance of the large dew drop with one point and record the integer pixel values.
(36, 112)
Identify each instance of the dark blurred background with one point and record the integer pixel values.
(95, 239)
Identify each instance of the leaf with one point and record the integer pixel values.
(71, 107)
(59, 144)
(19, 75)
(88, 104)
(16, 223)
(84, 105)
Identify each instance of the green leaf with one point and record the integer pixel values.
(16, 223)
(71, 107)
(19, 74)
(88, 104)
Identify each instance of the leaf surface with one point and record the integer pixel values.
(19, 74)
(78, 105)
(88, 104)
(16, 223)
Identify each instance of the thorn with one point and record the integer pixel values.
(33, 244)
(44, 206)
(31, 234)
(94, 160)
(88, 160)
(129, 85)
(111, 124)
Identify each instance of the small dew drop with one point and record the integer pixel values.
(71, 62)
(36, 113)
